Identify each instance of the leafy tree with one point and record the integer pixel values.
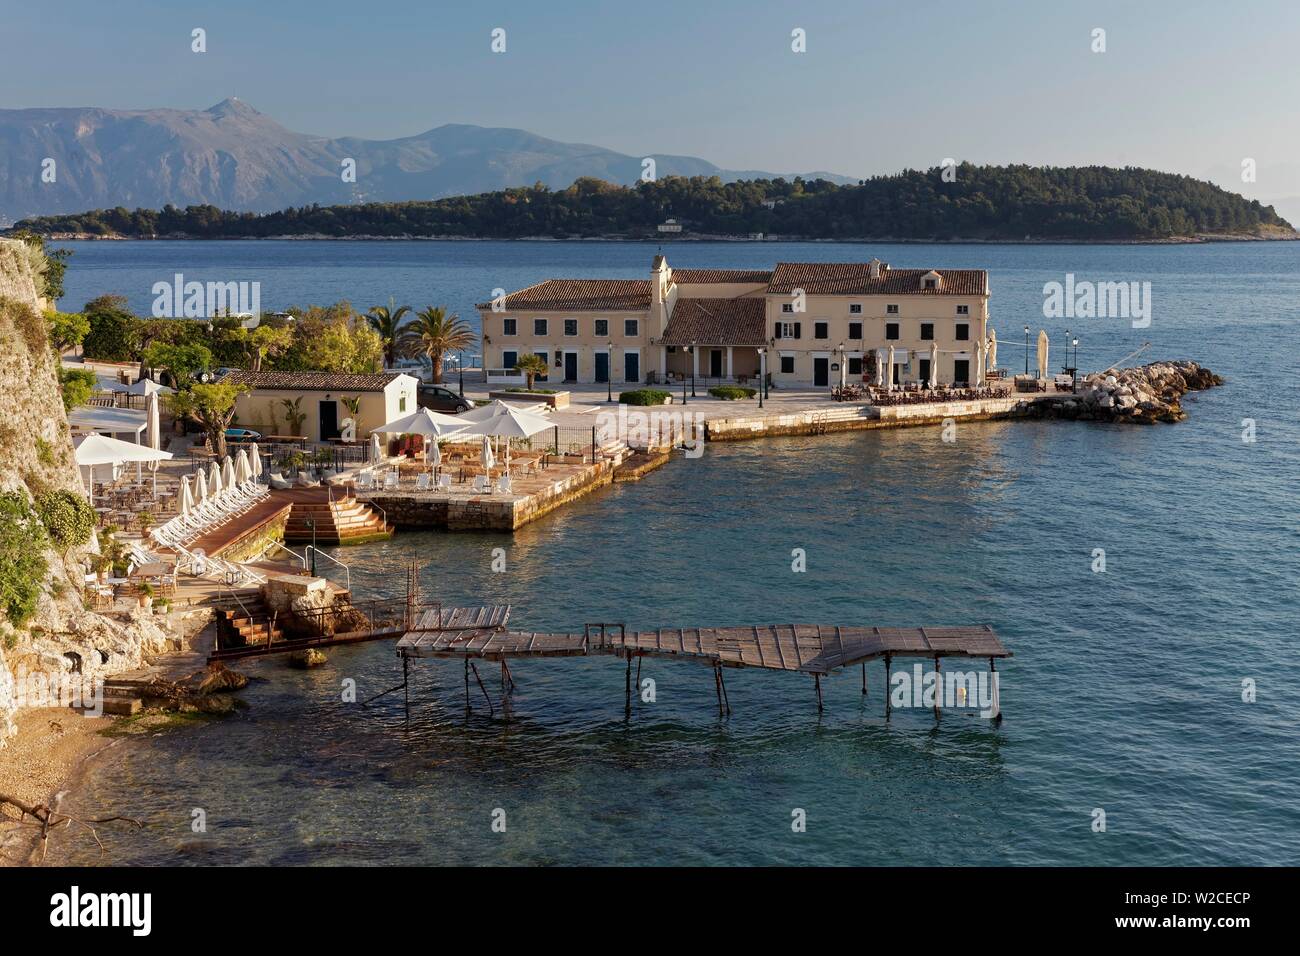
(345, 347)
(353, 405)
(182, 362)
(77, 384)
(23, 567)
(531, 366)
(212, 407)
(435, 333)
(114, 334)
(267, 341)
(387, 321)
(67, 330)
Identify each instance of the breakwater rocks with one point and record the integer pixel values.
(1143, 395)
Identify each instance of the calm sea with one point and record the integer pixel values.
(1125, 694)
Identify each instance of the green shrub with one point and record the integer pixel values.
(730, 393)
(531, 391)
(68, 518)
(22, 558)
(643, 396)
(78, 385)
(44, 452)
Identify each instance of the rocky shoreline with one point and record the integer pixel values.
(1143, 395)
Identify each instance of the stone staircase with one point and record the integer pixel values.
(342, 521)
(244, 619)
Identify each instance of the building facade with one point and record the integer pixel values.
(818, 324)
(322, 399)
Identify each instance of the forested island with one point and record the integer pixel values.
(984, 203)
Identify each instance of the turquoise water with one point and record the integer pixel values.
(1124, 693)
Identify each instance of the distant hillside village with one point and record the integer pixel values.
(989, 203)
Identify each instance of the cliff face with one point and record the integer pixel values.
(36, 456)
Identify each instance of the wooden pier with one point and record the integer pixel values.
(481, 633)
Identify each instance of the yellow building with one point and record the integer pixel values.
(814, 323)
(320, 398)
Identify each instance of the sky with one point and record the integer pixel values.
(1192, 87)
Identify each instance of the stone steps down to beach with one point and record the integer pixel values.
(341, 521)
(1143, 395)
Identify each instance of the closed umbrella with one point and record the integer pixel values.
(187, 499)
(434, 455)
(993, 348)
(255, 460)
(227, 474)
(374, 447)
(889, 370)
(243, 471)
(979, 363)
(1042, 353)
(200, 488)
(214, 481)
(934, 364)
(486, 455)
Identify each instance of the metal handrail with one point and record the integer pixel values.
(302, 558)
(347, 570)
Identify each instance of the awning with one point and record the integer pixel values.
(96, 418)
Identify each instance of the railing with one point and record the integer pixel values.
(277, 545)
(312, 549)
(603, 640)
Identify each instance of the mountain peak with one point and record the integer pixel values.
(232, 106)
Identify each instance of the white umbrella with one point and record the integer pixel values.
(934, 364)
(145, 386)
(424, 422)
(227, 473)
(200, 488)
(243, 471)
(187, 499)
(374, 447)
(1042, 353)
(102, 450)
(509, 422)
(486, 456)
(153, 436)
(255, 460)
(993, 348)
(214, 481)
(434, 454)
(889, 370)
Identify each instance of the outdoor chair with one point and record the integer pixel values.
(444, 482)
(481, 485)
(504, 486)
(422, 482)
(305, 481)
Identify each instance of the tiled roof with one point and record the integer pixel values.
(580, 295)
(716, 322)
(309, 381)
(854, 278)
(694, 276)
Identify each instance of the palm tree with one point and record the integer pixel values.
(435, 333)
(532, 366)
(387, 321)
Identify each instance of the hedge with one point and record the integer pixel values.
(730, 393)
(644, 396)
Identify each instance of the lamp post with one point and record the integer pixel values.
(609, 371)
(1074, 366)
(762, 374)
(1026, 350)
(693, 362)
(1067, 349)
(460, 364)
(311, 523)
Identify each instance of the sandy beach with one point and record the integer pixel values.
(46, 759)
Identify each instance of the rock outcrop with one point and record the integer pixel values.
(36, 456)
(1143, 395)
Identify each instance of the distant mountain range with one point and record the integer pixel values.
(236, 158)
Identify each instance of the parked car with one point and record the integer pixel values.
(442, 399)
(242, 434)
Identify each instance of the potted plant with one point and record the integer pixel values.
(146, 595)
(163, 606)
(102, 564)
(146, 521)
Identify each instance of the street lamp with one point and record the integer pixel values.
(1074, 367)
(609, 371)
(762, 374)
(694, 361)
(461, 365)
(1026, 350)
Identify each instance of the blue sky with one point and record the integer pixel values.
(1189, 86)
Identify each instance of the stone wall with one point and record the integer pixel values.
(817, 421)
(487, 513)
(257, 541)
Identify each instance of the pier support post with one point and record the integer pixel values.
(627, 688)
(467, 707)
(722, 682)
(887, 662)
(717, 686)
(486, 697)
(938, 686)
(406, 686)
(997, 697)
(864, 678)
(817, 682)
